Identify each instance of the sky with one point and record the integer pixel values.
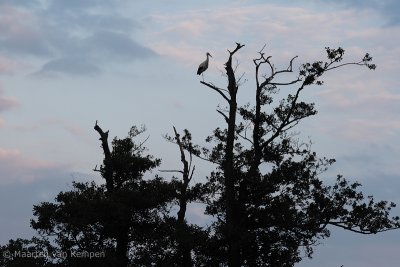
(65, 64)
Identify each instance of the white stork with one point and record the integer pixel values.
(203, 66)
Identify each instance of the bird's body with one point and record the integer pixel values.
(203, 66)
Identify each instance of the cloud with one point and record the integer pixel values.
(74, 129)
(69, 65)
(78, 4)
(362, 129)
(107, 22)
(17, 200)
(21, 33)
(290, 29)
(70, 127)
(9, 66)
(29, 3)
(7, 103)
(89, 16)
(17, 168)
(389, 9)
(72, 37)
(355, 103)
(357, 106)
(116, 45)
(90, 55)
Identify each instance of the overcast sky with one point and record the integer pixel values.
(65, 64)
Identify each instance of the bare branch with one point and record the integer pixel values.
(171, 171)
(96, 169)
(270, 65)
(236, 66)
(190, 160)
(198, 156)
(296, 121)
(142, 143)
(238, 80)
(245, 138)
(219, 90)
(361, 63)
(238, 46)
(256, 60)
(268, 79)
(288, 83)
(191, 174)
(178, 141)
(206, 159)
(262, 49)
(108, 167)
(290, 68)
(225, 117)
(232, 85)
(286, 120)
(352, 229)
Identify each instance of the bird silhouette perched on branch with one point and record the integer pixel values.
(203, 66)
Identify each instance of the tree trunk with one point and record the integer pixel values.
(122, 248)
(232, 208)
(184, 251)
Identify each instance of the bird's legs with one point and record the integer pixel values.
(202, 76)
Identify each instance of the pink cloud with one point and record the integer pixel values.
(177, 104)
(70, 127)
(7, 103)
(78, 132)
(187, 36)
(2, 123)
(9, 66)
(18, 23)
(360, 129)
(74, 129)
(22, 31)
(194, 28)
(18, 168)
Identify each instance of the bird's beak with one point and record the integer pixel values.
(210, 55)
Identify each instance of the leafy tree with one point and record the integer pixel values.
(268, 197)
(123, 217)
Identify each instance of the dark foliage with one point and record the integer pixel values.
(268, 195)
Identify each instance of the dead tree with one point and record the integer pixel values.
(232, 209)
(182, 231)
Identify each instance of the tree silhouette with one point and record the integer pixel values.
(266, 195)
(190, 238)
(270, 200)
(127, 213)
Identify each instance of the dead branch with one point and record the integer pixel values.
(225, 117)
(238, 46)
(219, 90)
(108, 166)
(171, 171)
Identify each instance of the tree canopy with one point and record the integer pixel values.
(266, 196)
